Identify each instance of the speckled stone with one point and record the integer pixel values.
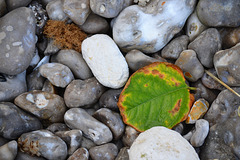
(104, 152)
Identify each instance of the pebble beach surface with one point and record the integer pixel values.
(59, 102)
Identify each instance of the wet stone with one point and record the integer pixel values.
(80, 154)
(206, 45)
(46, 106)
(35, 81)
(230, 37)
(104, 152)
(9, 151)
(58, 74)
(175, 47)
(129, 136)
(123, 154)
(43, 143)
(109, 99)
(13, 4)
(52, 48)
(15, 121)
(77, 118)
(55, 10)
(80, 93)
(56, 127)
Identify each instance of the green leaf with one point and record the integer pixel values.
(155, 95)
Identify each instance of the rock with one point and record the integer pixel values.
(35, 60)
(55, 10)
(123, 154)
(209, 82)
(74, 61)
(105, 8)
(104, 152)
(80, 154)
(230, 37)
(87, 143)
(129, 136)
(95, 24)
(12, 86)
(9, 151)
(3, 141)
(105, 60)
(197, 111)
(72, 138)
(178, 128)
(77, 118)
(136, 60)
(200, 133)
(190, 65)
(45, 2)
(46, 106)
(49, 87)
(35, 81)
(226, 63)
(161, 143)
(13, 4)
(206, 45)
(43, 143)
(17, 40)
(3, 7)
(58, 74)
(194, 26)
(109, 99)
(80, 93)
(15, 121)
(219, 13)
(165, 19)
(76, 10)
(111, 119)
(175, 47)
(56, 127)
(25, 156)
(52, 48)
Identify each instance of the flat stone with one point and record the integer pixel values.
(9, 151)
(104, 152)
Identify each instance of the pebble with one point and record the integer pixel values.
(17, 40)
(219, 13)
(43, 143)
(95, 24)
(26, 156)
(206, 45)
(179, 128)
(109, 99)
(80, 154)
(9, 150)
(190, 65)
(3, 7)
(80, 93)
(87, 143)
(226, 63)
(161, 143)
(209, 82)
(165, 19)
(49, 87)
(104, 152)
(136, 60)
(35, 81)
(72, 138)
(55, 10)
(173, 49)
(74, 61)
(15, 121)
(58, 74)
(123, 154)
(46, 106)
(14, 4)
(56, 127)
(111, 119)
(200, 133)
(35, 59)
(105, 60)
(3, 141)
(129, 136)
(77, 118)
(230, 37)
(12, 86)
(52, 48)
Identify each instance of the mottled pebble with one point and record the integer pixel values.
(109, 99)
(129, 136)
(80, 154)
(9, 150)
(104, 152)
(55, 10)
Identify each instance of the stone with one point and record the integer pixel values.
(136, 60)
(17, 40)
(80, 93)
(3, 141)
(55, 10)
(164, 20)
(12, 86)
(3, 8)
(26, 156)
(206, 45)
(111, 119)
(56, 127)
(109, 99)
(74, 61)
(173, 49)
(161, 143)
(129, 136)
(105, 8)
(78, 118)
(58, 74)
(35, 81)
(43, 143)
(76, 10)
(104, 152)
(52, 48)
(197, 111)
(87, 143)
(14, 4)
(123, 154)
(230, 37)
(49, 87)
(35, 59)
(105, 60)
(209, 82)
(95, 24)
(14, 121)
(219, 13)
(179, 128)
(80, 154)
(190, 65)
(9, 150)
(200, 133)
(46, 106)
(226, 63)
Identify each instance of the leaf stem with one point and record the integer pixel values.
(192, 88)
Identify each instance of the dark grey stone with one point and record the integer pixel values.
(104, 152)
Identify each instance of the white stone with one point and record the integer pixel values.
(105, 60)
(161, 143)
